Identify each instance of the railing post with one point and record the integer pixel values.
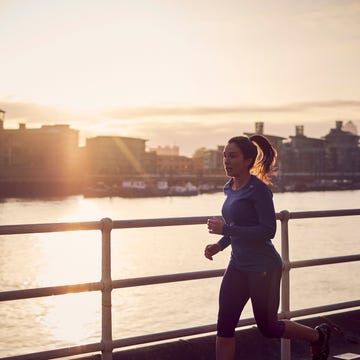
(106, 335)
(285, 282)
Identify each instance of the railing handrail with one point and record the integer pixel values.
(138, 223)
(151, 280)
(106, 284)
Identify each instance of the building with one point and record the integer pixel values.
(115, 156)
(303, 155)
(350, 127)
(166, 150)
(174, 165)
(328, 163)
(212, 162)
(49, 151)
(342, 150)
(2, 117)
(275, 140)
(38, 160)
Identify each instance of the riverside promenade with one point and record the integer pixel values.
(189, 343)
(251, 345)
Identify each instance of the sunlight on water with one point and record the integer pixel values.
(84, 210)
(72, 318)
(60, 254)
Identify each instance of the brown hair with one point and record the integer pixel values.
(262, 153)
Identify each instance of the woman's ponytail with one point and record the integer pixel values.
(264, 165)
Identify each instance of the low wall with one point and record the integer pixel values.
(251, 345)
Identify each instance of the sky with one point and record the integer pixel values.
(180, 72)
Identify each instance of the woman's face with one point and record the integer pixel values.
(234, 163)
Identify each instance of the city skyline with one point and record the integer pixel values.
(181, 73)
(348, 126)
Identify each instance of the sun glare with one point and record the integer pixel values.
(63, 252)
(72, 258)
(86, 210)
(71, 317)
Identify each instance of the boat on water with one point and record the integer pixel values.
(142, 188)
(100, 189)
(210, 188)
(184, 190)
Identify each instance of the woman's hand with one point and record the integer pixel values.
(211, 250)
(215, 225)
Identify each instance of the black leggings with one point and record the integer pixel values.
(262, 288)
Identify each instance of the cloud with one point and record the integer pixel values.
(33, 112)
(39, 113)
(330, 104)
(195, 111)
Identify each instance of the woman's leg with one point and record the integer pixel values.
(265, 290)
(294, 330)
(265, 298)
(225, 348)
(233, 296)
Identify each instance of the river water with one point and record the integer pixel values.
(36, 260)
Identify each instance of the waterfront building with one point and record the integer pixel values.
(304, 163)
(166, 150)
(213, 161)
(303, 155)
(329, 162)
(342, 150)
(198, 161)
(38, 159)
(174, 165)
(115, 156)
(208, 161)
(168, 161)
(275, 140)
(350, 127)
(47, 151)
(2, 117)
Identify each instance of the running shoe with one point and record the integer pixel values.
(320, 349)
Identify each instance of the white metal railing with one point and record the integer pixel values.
(106, 285)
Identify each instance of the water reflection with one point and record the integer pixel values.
(69, 257)
(73, 318)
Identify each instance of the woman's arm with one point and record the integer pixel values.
(215, 226)
(224, 242)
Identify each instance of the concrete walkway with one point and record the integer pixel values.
(251, 345)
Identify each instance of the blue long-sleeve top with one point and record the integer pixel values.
(250, 224)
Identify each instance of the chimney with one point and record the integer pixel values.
(259, 128)
(2, 117)
(299, 130)
(339, 124)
